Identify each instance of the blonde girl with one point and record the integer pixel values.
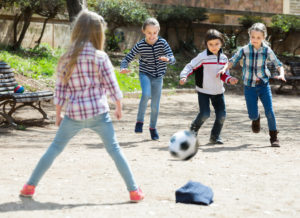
(155, 53)
(85, 74)
(256, 78)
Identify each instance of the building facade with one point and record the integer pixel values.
(228, 11)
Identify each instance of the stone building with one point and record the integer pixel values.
(227, 11)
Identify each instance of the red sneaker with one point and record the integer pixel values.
(27, 191)
(137, 195)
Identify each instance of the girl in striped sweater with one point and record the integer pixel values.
(154, 53)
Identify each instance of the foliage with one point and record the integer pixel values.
(180, 14)
(172, 77)
(247, 20)
(40, 63)
(24, 9)
(112, 41)
(285, 23)
(171, 16)
(120, 12)
(129, 82)
(36, 63)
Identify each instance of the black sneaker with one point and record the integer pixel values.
(138, 127)
(217, 140)
(194, 129)
(154, 134)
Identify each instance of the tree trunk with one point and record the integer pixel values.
(38, 42)
(74, 7)
(26, 15)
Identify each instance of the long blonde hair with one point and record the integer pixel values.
(88, 27)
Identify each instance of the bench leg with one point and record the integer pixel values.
(9, 119)
(31, 104)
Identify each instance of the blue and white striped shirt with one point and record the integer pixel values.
(149, 54)
(255, 63)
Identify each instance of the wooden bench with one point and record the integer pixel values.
(294, 79)
(10, 102)
(292, 76)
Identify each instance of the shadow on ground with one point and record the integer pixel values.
(29, 204)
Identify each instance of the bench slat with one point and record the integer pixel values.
(33, 96)
(5, 71)
(7, 80)
(4, 89)
(9, 84)
(8, 92)
(7, 76)
(4, 65)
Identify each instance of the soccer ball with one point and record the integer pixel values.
(183, 145)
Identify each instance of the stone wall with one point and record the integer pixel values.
(133, 34)
(295, 7)
(56, 34)
(265, 6)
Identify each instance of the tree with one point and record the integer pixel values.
(49, 9)
(74, 7)
(231, 35)
(119, 13)
(174, 15)
(282, 26)
(24, 11)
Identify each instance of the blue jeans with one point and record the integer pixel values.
(262, 91)
(218, 103)
(68, 128)
(151, 88)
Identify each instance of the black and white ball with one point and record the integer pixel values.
(183, 145)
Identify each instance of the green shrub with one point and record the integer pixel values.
(247, 20)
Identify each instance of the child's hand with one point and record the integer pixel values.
(162, 58)
(233, 80)
(221, 72)
(118, 111)
(281, 77)
(118, 114)
(123, 71)
(58, 120)
(182, 81)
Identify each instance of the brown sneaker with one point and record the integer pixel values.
(273, 138)
(256, 125)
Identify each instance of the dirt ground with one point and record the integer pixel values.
(247, 176)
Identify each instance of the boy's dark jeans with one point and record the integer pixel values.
(218, 103)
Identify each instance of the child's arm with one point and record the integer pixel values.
(118, 111)
(59, 117)
(169, 54)
(226, 78)
(281, 74)
(128, 58)
(272, 57)
(232, 62)
(110, 83)
(189, 69)
(226, 67)
(60, 93)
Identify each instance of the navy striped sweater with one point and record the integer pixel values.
(149, 54)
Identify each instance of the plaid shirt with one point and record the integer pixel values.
(255, 63)
(85, 92)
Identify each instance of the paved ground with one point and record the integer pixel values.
(248, 177)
